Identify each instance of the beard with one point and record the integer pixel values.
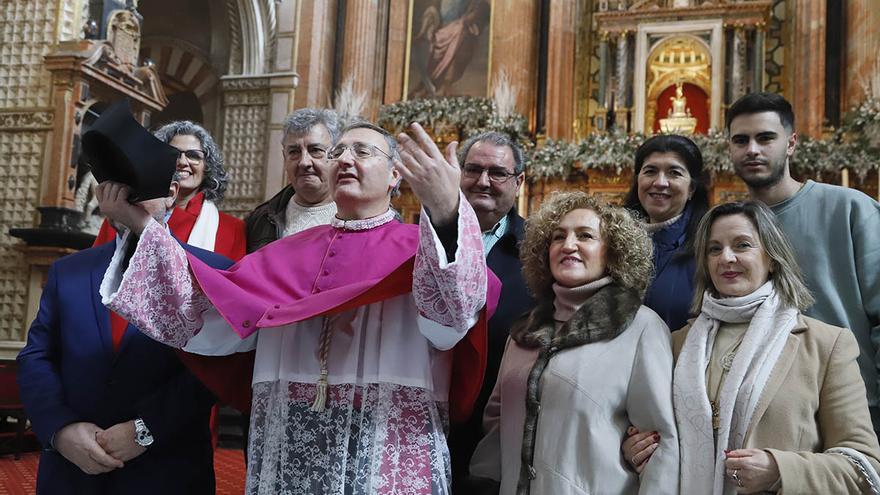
(777, 172)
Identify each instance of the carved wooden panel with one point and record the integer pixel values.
(246, 111)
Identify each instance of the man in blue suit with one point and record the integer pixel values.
(116, 412)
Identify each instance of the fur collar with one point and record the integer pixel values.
(603, 316)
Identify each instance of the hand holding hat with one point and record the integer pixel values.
(113, 199)
(119, 149)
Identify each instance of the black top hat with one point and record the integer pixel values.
(118, 148)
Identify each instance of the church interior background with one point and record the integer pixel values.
(579, 82)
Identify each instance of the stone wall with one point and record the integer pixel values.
(28, 28)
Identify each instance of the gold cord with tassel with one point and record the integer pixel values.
(321, 386)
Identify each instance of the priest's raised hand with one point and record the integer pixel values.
(433, 178)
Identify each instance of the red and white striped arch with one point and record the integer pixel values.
(181, 66)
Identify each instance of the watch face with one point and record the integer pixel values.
(144, 438)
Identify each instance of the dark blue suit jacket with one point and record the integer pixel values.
(514, 301)
(68, 372)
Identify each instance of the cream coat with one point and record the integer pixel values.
(590, 395)
(813, 401)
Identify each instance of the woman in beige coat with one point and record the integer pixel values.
(587, 362)
(766, 399)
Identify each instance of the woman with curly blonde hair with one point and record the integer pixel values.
(587, 362)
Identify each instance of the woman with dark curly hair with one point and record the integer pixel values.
(669, 191)
(203, 181)
(584, 364)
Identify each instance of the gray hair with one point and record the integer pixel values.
(216, 178)
(390, 140)
(497, 139)
(787, 277)
(301, 121)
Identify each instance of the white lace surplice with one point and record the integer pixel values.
(383, 430)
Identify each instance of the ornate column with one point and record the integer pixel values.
(514, 48)
(601, 115)
(603, 70)
(560, 64)
(291, 29)
(808, 50)
(363, 50)
(738, 64)
(621, 100)
(758, 59)
(315, 39)
(398, 18)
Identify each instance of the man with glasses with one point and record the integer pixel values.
(305, 201)
(492, 172)
(366, 346)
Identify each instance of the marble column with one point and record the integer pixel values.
(862, 47)
(808, 53)
(315, 42)
(603, 70)
(395, 63)
(738, 64)
(758, 60)
(362, 48)
(515, 49)
(560, 69)
(621, 105)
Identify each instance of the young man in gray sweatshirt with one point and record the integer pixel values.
(835, 231)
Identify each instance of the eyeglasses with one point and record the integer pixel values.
(361, 151)
(496, 175)
(315, 152)
(192, 156)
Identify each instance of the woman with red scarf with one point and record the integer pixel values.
(203, 181)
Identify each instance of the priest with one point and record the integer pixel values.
(365, 348)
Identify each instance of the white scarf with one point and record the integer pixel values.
(204, 232)
(770, 323)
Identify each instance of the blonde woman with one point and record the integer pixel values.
(766, 399)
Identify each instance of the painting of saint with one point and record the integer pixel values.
(449, 51)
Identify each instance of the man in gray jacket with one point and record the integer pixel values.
(305, 201)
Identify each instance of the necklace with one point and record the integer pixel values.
(726, 362)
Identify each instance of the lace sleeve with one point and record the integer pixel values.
(447, 293)
(156, 292)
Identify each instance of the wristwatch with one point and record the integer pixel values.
(142, 435)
